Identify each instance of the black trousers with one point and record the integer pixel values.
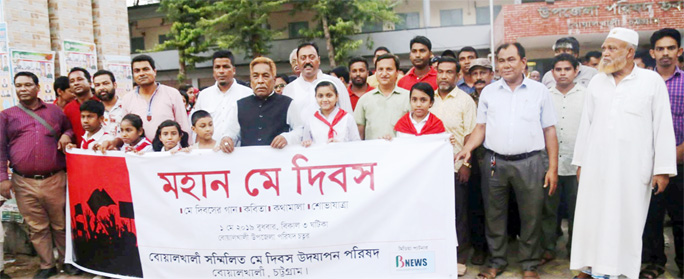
(671, 200)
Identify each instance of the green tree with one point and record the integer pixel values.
(338, 20)
(186, 35)
(242, 25)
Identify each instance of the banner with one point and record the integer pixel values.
(372, 209)
(120, 66)
(77, 54)
(42, 64)
(6, 83)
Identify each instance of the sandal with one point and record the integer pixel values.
(651, 271)
(490, 273)
(546, 258)
(530, 274)
(582, 275)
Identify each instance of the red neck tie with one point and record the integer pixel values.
(338, 117)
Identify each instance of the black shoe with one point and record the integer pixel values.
(4, 275)
(71, 270)
(45, 273)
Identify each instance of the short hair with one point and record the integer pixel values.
(33, 76)
(105, 72)
(594, 54)
(93, 106)
(305, 44)
(157, 144)
(223, 54)
(263, 60)
(293, 55)
(467, 49)
(666, 32)
(451, 53)
(184, 87)
(518, 46)
(388, 56)
(449, 59)
(135, 120)
(379, 49)
(421, 40)
(326, 83)
(566, 57)
(143, 58)
(341, 71)
(568, 40)
(85, 72)
(356, 60)
(60, 83)
(197, 115)
(424, 87)
(284, 77)
(645, 57)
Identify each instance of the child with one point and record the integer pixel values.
(133, 135)
(169, 137)
(92, 117)
(420, 121)
(203, 126)
(330, 123)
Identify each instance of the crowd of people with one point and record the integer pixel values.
(521, 140)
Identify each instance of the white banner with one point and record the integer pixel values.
(372, 209)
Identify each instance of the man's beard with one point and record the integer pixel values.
(358, 82)
(613, 66)
(107, 97)
(446, 88)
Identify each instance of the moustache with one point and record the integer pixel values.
(308, 65)
(480, 81)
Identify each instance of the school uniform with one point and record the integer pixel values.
(338, 125)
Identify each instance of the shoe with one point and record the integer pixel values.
(71, 270)
(4, 275)
(479, 257)
(462, 269)
(45, 273)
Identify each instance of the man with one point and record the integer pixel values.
(358, 75)
(373, 80)
(152, 101)
(293, 63)
(643, 59)
(302, 91)
(449, 53)
(62, 92)
(105, 88)
(568, 100)
(34, 153)
(535, 75)
(665, 47)
(569, 45)
(342, 73)
(518, 118)
(263, 118)
(79, 82)
(457, 111)
(626, 108)
(465, 56)
(378, 110)
(593, 58)
(421, 50)
(482, 74)
(219, 98)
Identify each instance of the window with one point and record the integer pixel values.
(482, 14)
(294, 27)
(451, 17)
(163, 38)
(137, 43)
(371, 27)
(407, 21)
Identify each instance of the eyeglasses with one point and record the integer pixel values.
(279, 86)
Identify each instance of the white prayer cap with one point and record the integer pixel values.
(626, 35)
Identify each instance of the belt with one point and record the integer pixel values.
(36, 176)
(516, 157)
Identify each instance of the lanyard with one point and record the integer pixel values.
(149, 105)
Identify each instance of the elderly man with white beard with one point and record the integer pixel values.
(625, 149)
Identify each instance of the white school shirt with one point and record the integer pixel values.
(317, 131)
(303, 94)
(97, 138)
(143, 145)
(515, 119)
(418, 125)
(176, 148)
(219, 104)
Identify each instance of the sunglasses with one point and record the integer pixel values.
(279, 86)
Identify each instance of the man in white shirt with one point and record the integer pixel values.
(301, 90)
(568, 100)
(516, 114)
(570, 45)
(105, 89)
(625, 152)
(219, 98)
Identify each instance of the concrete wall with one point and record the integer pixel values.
(28, 24)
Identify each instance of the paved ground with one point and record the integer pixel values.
(23, 266)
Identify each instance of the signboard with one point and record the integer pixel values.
(77, 54)
(40, 63)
